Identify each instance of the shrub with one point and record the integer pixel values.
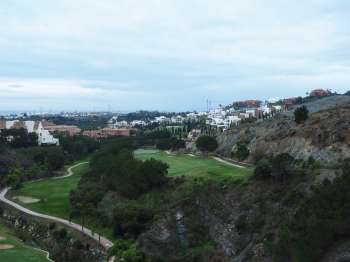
(126, 251)
(301, 114)
(131, 218)
(263, 169)
(242, 151)
(206, 143)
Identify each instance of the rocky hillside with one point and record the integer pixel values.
(324, 136)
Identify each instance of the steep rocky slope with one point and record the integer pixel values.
(227, 222)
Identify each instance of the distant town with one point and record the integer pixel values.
(106, 124)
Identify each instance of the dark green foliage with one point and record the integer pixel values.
(19, 138)
(130, 219)
(78, 146)
(51, 157)
(172, 143)
(321, 220)
(301, 114)
(263, 169)
(60, 234)
(279, 167)
(52, 226)
(126, 251)
(55, 158)
(206, 143)
(114, 168)
(242, 151)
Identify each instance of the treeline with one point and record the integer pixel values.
(18, 138)
(21, 159)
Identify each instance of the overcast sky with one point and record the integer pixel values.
(168, 54)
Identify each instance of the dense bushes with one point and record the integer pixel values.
(242, 151)
(114, 168)
(206, 143)
(130, 219)
(78, 146)
(279, 167)
(126, 251)
(52, 158)
(321, 220)
(172, 143)
(19, 138)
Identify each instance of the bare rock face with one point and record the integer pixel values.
(325, 136)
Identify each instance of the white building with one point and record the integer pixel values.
(138, 123)
(44, 136)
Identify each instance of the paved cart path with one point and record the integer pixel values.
(106, 243)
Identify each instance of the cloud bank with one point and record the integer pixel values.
(168, 55)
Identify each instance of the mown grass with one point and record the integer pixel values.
(53, 193)
(54, 198)
(20, 252)
(194, 166)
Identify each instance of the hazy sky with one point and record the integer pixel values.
(168, 54)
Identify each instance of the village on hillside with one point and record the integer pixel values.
(220, 118)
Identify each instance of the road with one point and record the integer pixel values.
(103, 241)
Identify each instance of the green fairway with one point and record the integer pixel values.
(194, 166)
(20, 252)
(54, 197)
(52, 193)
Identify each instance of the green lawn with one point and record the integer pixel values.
(53, 193)
(54, 198)
(194, 166)
(20, 252)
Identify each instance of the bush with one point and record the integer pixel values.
(126, 251)
(206, 143)
(242, 151)
(131, 219)
(301, 114)
(263, 169)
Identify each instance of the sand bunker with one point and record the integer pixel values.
(2, 238)
(26, 200)
(6, 246)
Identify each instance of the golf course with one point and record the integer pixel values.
(50, 196)
(191, 166)
(13, 249)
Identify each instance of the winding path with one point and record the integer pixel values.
(106, 243)
(228, 162)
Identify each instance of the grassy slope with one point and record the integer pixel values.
(20, 252)
(194, 167)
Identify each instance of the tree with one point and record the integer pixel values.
(282, 166)
(55, 158)
(263, 169)
(242, 151)
(206, 143)
(301, 114)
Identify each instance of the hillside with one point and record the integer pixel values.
(324, 136)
